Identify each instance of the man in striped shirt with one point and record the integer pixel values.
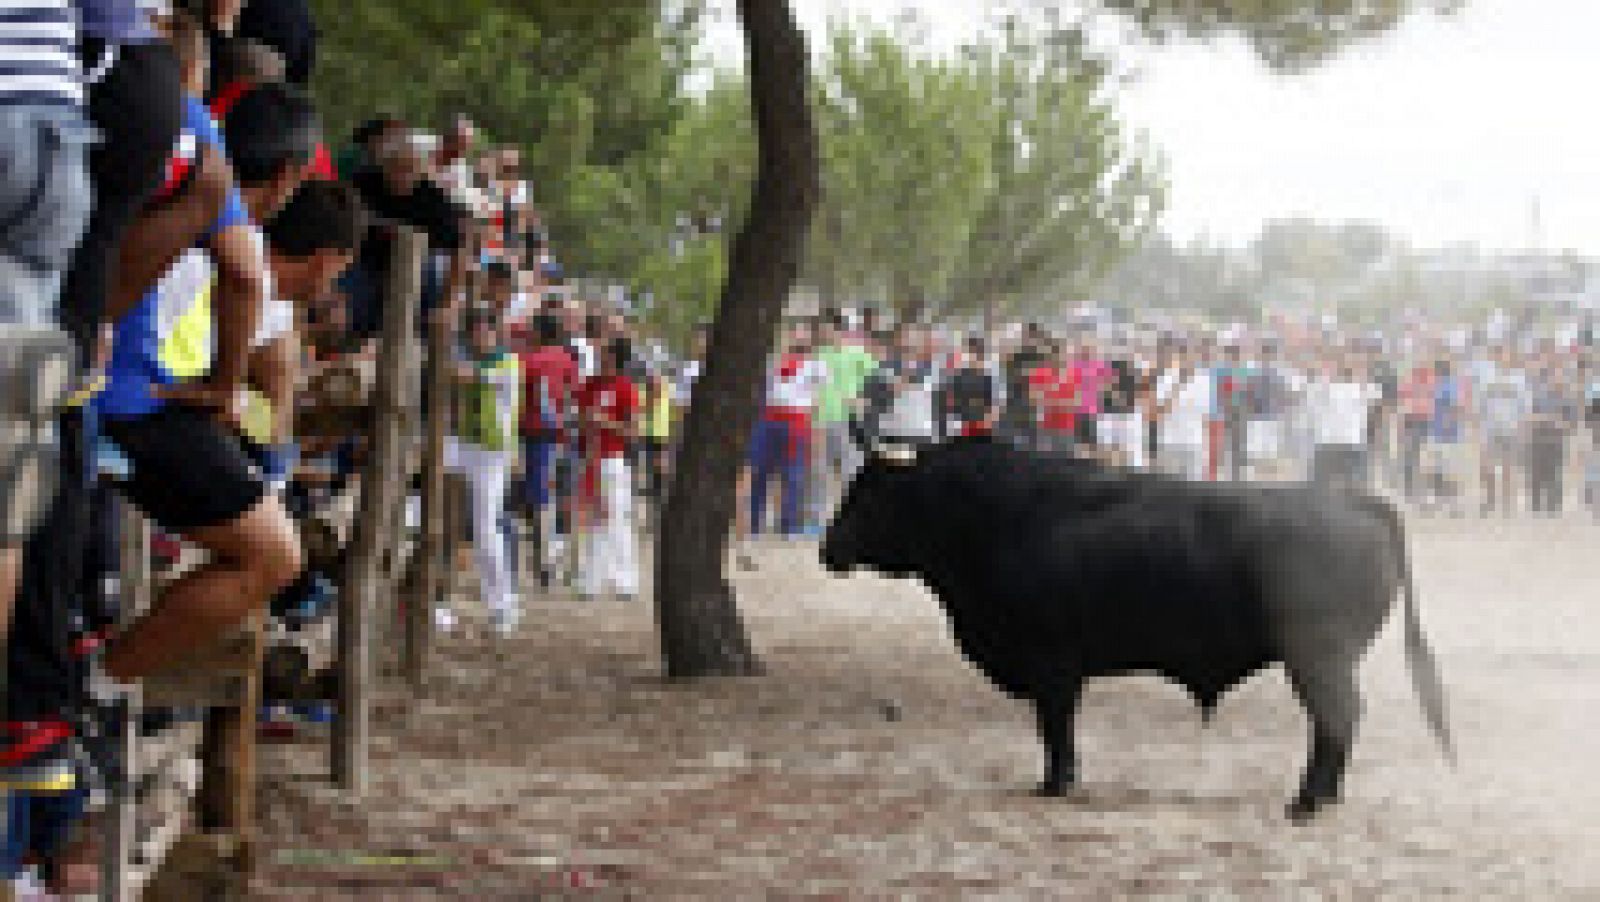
(44, 205)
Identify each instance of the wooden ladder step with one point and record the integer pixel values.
(217, 677)
(203, 690)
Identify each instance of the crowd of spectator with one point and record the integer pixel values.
(1491, 417)
(183, 255)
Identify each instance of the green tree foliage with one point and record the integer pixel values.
(1071, 188)
(1287, 34)
(664, 217)
(998, 177)
(906, 167)
(1355, 270)
(585, 89)
(948, 182)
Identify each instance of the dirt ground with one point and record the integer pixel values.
(873, 761)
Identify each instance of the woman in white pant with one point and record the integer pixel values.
(608, 406)
(1183, 395)
(491, 382)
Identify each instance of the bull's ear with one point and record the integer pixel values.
(897, 455)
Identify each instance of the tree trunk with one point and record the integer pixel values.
(702, 633)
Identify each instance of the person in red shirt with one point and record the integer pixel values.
(608, 410)
(1054, 386)
(549, 374)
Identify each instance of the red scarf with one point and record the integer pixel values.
(228, 96)
(797, 421)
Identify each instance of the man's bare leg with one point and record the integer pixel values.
(252, 558)
(10, 573)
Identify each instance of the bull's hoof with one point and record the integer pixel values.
(1054, 788)
(1303, 809)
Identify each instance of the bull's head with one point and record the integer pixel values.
(875, 522)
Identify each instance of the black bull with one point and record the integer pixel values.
(1052, 572)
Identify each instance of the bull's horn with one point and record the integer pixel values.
(858, 435)
(898, 454)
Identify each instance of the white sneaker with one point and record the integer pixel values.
(505, 623)
(28, 888)
(444, 619)
(102, 687)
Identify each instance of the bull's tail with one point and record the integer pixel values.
(1419, 655)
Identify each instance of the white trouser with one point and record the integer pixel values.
(1126, 433)
(488, 473)
(1264, 441)
(610, 555)
(837, 459)
(1186, 460)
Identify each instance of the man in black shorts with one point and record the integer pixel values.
(191, 473)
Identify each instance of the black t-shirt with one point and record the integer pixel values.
(1383, 372)
(1019, 398)
(287, 27)
(1122, 391)
(969, 395)
(427, 207)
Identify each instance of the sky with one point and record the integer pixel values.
(1478, 128)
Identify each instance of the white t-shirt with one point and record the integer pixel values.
(911, 415)
(1190, 404)
(797, 391)
(683, 387)
(194, 276)
(587, 364)
(460, 182)
(180, 288)
(1341, 411)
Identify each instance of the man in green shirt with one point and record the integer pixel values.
(849, 365)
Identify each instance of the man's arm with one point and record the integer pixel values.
(275, 372)
(160, 235)
(237, 300)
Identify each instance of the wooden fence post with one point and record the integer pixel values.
(429, 560)
(134, 581)
(383, 488)
(227, 798)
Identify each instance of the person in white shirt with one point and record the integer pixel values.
(453, 169)
(1504, 405)
(1183, 404)
(1342, 408)
(781, 446)
(900, 398)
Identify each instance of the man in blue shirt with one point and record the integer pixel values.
(190, 470)
(1446, 450)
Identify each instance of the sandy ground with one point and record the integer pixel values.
(873, 761)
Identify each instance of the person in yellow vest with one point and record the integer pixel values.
(487, 441)
(308, 245)
(660, 414)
